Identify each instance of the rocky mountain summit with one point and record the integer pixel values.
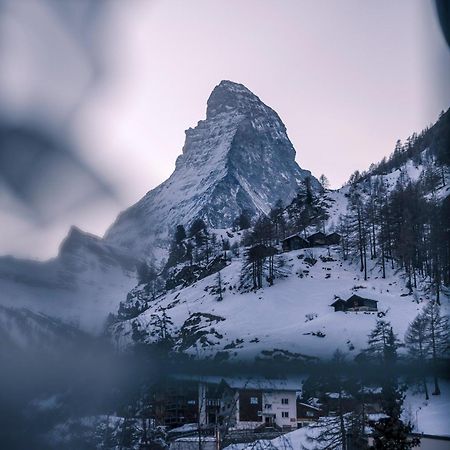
(238, 159)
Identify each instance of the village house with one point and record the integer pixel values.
(172, 406)
(178, 403)
(294, 242)
(372, 399)
(238, 403)
(334, 402)
(307, 414)
(253, 403)
(355, 303)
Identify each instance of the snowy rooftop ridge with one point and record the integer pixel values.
(291, 383)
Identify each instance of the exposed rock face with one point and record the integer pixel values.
(239, 158)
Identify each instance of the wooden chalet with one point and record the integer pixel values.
(317, 239)
(339, 305)
(333, 239)
(355, 303)
(294, 242)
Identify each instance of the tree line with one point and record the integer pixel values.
(406, 227)
(435, 139)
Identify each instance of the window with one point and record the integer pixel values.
(309, 414)
(285, 414)
(284, 401)
(267, 406)
(253, 400)
(191, 402)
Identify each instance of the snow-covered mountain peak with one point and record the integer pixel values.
(238, 159)
(76, 239)
(229, 96)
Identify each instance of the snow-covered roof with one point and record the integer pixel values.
(336, 395)
(372, 390)
(310, 406)
(195, 439)
(293, 236)
(250, 382)
(377, 416)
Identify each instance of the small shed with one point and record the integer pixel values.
(317, 239)
(294, 242)
(333, 239)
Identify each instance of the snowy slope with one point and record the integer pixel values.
(293, 317)
(429, 416)
(275, 318)
(239, 158)
(299, 439)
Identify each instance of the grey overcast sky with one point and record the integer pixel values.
(124, 79)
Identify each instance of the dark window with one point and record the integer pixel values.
(284, 401)
(285, 414)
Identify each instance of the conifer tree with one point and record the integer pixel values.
(416, 343)
(277, 218)
(243, 222)
(323, 180)
(390, 432)
(180, 234)
(162, 324)
(383, 343)
(346, 429)
(219, 287)
(436, 337)
(356, 207)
